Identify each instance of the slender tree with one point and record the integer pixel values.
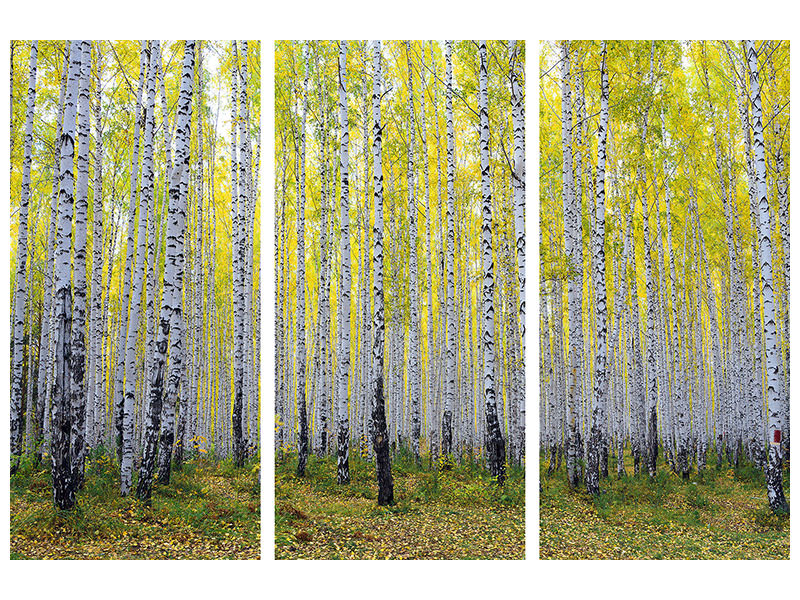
(496, 444)
(774, 473)
(342, 396)
(119, 379)
(575, 282)
(450, 389)
(20, 289)
(600, 396)
(239, 279)
(302, 450)
(170, 314)
(95, 399)
(63, 490)
(414, 352)
(47, 357)
(137, 284)
(78, 390)
(380, 434)
(179, 182)
(518, 174)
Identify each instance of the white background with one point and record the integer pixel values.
(412, 19)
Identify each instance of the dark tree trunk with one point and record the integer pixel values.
(380, 442)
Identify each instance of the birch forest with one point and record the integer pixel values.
(664, 299)
(135, 322)
(400, 299)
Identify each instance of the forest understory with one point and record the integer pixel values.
(717, 514)
(458, 513)
(210, 510)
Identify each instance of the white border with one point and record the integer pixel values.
(419, 20)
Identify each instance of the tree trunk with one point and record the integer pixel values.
(238, 292)
(600, 396)
(78, 387)
(95, 399)
(21, 292)
(572, 241)
(380, 435)
(302, 446)
(63, 490)
(342, 396)
(119, 398)
(145, 210)
(170, 317)
(496, 449)
(777, 499)
(450, 383)
(414, 358)
(178, 186)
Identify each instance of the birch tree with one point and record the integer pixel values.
(449, 395)
(20, 290)
(774, 473)
(119, 394)
(600, 396)
(302, 452)
(380, 434)
(496, 449)
(170, 315)
(239, 293)
(343, 397)
(575, 284)
(95, 398)
(78, 390)
(414, 362)
(63, 490)
(126, 465)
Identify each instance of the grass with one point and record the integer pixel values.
(454, 514)
(209, 510)
(715, 515)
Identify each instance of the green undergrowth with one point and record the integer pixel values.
(456, 513)
(716, 514)
(210, 509)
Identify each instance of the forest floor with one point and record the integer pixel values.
(455, 514)
(716, 515)
(209, 510)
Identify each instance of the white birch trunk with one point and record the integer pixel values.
(415, 358)
(449, 394)
(429, 365)
(518, 174)
(343, 396)
(496, 449)
(78, 385)
(322, 373)
(96, 400)
(380, 435)
(126, 465)
(239, 293)
(572, 242)
(63, 490)
(20, 288)
(777, 500)
(119, 379)
(302, 449)
(178, 186)
(47, 366)
(170, 314)
(600, 395)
